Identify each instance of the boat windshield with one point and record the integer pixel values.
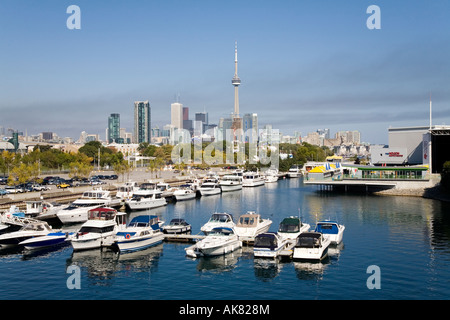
(327, 228)
(289, 228)
(308, 241)
(35, 227)
(220, 217)
(101, 214)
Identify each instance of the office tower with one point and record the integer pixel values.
(200, 117)
(177, 115)
(142, 122)
(113, 128)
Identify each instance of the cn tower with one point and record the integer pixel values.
(236, 82)
(236, 120)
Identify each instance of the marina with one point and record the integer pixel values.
(372, 225)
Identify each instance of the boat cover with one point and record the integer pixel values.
(328, 227)
(308, 240)
(290, 225)
(145, 220)
(266, 240)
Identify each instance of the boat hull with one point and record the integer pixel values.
(185, 196)
(220, 249)
(267, 252)
(139, 243)
(253, 183)
(45, 241)
(146, 204)
(177, 229)
(249, 234)
(230, 187)
(210, 192)
(88, 242)
(313, 254)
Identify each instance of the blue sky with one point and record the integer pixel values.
(304, 65)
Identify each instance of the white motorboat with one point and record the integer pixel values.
(331, 229)
(146, 199)
(291, 227)
(177, 226)
(219, 241)
(142, 232)
(50, 210)
(210, 187)
(250, 225)
(311, 246)
(126, 190)
(32, 229)
(252, 179)
(231, 182)
(268, 245)
(77, 211)
(294, 172)
(184, 192)
(218, 220)
(271, 176)
(99, 230)
(166, 189)
(50, 240)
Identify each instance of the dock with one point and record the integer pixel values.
(183, 237)
(288, 251)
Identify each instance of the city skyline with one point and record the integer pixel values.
(306, 65)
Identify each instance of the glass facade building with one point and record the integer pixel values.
(142, 122)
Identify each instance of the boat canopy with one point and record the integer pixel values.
(102, 213)
(327, 227)
(309, 240)
(290, 225)
(266, 240)
(247, 220)
(144, 221)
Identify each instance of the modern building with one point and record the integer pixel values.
(142, 122)
(250, 127)
(114, 128)
(176, 115)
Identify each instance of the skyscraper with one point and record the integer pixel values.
(114, 128)
(177, 115)
(250, 127)
(142, 122)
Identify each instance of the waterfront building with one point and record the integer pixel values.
(114, 128)
(142, 122)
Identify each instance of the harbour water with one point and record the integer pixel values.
(407, 238)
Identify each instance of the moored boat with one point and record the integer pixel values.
(99, 230)
(250, 225)
(294, 172)
(231, 182)
(311, 246)
(184, 192)
(252, 179)
(50, 240)
(210, 187)
(177, 226)
(218, 219)
(292, 227)
(268, 245)
(143, 200)
(219, 241)
(142, 232)
(331, 229)
(32, 229)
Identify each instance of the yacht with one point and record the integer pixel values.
(218, 220)
(184, 192)
(331, 230)
(311, 246)
(142, 232)
(77, 211)
(268, 245)
(177, 226)
(210, 187)
(294, 172)
(292, 227)
(231, 182)
(99, 230)
(219, 241)
(32, 229)
(126, 190)
(250, 225)
(146, 199)
(252, 179)
(271, 176)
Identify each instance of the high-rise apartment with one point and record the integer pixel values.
(142, 122)
(114, 128)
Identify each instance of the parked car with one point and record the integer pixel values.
(38, 187)
(3, 192)
(3, 180)
(14, 189)
(63, 185)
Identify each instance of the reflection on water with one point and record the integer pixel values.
(218, 264)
